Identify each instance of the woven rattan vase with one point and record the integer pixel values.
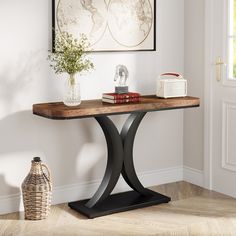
(37, 191)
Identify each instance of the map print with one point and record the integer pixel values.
(130, 21)
(110, 25)
(82, 16)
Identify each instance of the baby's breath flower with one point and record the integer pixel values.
(70, 54)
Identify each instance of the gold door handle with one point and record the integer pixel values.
(219, 63)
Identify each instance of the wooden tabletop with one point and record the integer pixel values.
(92, 108)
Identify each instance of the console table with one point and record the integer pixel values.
(120, 150)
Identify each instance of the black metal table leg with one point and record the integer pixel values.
(114, 161)
(128, 171)
(120, 160)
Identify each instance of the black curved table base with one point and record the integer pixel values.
(120, 161)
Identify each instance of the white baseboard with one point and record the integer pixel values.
(10, 203)
(193, 176)
(74, 192)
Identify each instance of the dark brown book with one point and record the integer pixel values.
(116, 96)
(121, 101)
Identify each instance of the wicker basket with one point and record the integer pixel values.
(37, 191)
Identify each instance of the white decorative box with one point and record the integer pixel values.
(171, 85)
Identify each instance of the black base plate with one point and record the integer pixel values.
(118, 203)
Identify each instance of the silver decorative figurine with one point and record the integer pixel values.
(121, 77)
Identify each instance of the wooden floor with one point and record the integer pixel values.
(193, 211)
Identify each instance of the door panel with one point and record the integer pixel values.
(229, 136)
(223, 100)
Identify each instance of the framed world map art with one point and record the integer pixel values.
(110, 25)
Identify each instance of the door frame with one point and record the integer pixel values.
(208, 111)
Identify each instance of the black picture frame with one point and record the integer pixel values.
(153, 29)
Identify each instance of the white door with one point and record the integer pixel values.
(223, 96)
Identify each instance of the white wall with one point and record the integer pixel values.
(194, 72)
(75, 150)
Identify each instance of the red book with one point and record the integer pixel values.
(121, 101)
(116, 96)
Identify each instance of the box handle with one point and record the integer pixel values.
(179, 76)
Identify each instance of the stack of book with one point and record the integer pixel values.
(116, 98)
